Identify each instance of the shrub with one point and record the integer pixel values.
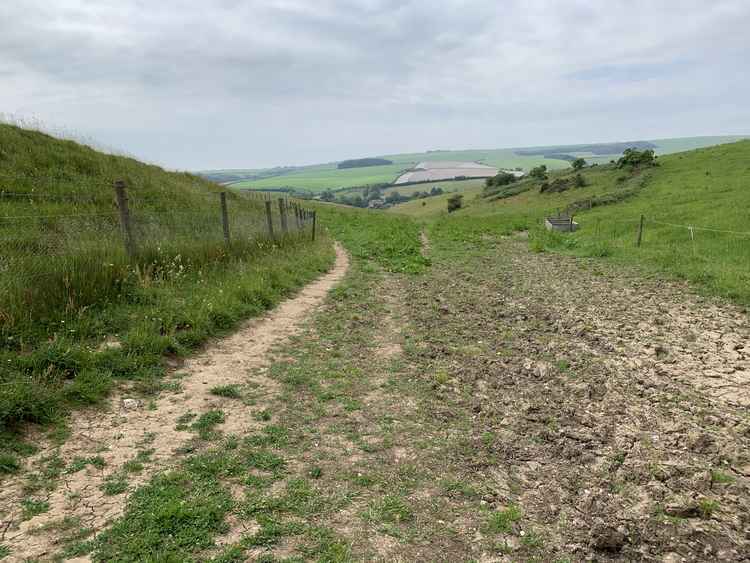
(578, 163)
(539, 172)
(633, 158)
(501, 179)
(455, 202)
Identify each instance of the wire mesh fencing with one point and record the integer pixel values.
(63, 252)
(718, 258)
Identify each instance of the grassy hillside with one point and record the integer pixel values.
(77, 314)
(707, 189)
(433, 206)
(320, 177)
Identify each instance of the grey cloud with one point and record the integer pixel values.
(231, 84)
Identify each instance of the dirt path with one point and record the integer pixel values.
(149, 435)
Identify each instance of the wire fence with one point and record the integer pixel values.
(68, 251)
(714, 256)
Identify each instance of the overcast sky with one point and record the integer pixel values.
(241, 84)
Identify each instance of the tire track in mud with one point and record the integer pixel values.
(117, 435)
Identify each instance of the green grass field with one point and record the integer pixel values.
(437, 205)
(321, 177)
(704, 188)
(77, 314)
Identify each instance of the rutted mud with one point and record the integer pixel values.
(611, 409)
(129, 426)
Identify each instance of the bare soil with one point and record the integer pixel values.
(503, 406)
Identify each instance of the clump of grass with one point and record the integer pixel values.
(532, 540)
(132, 466)
(175, 515)
(274, 436)
(79, 463)
(206, 423)
(457, 488)
(265, 461)
(707, 507)
(264, 415)
(32, 507)
(501, 522)
(115, 484)
(391, 509)
(228, 391)
(9, 463)
(721, 478)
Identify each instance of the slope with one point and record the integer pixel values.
(320, 177)
(78, 313)
(693, 203)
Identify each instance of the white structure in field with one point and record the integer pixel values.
(432, 171)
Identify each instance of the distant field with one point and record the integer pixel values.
(321, 177)
(324, 177)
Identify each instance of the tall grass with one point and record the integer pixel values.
(708, 189)
(77, 313)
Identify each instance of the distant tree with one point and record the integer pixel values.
(539, 172)
(455, 202)
(634, 158)
(579, 181)
(327, 196)
(501, 179)
(436, 191)
(578, 163)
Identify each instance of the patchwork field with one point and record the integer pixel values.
(442, 170)
(321, 177)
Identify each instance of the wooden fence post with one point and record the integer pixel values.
(282, 214)
(314, 220)
(269, 218)
(122, 206)
(297, 217)
(224, 216)
(640, 232)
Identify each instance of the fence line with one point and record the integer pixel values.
(64, 259)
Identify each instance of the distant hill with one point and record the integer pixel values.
(333, 176)
(693, 204)
(363, 162)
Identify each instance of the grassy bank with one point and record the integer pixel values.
(77, 314)
(705, 189)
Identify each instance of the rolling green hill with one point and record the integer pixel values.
(77, 313)
(694, 206)
(321, 177)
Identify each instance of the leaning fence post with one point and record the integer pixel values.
(122, 206)
(282, 214)
(224, 216)
(640, 232)
(269, 218)
(314, 219)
